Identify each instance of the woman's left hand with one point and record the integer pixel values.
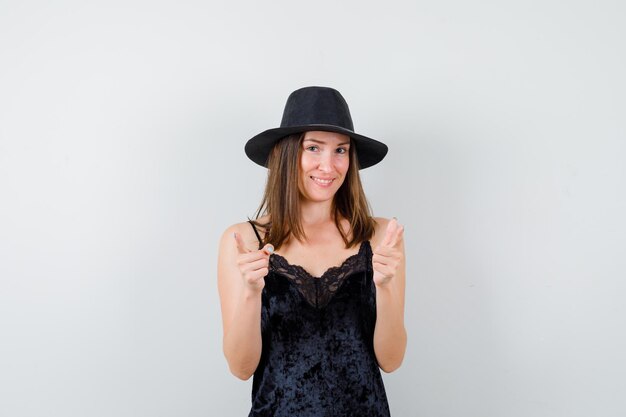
(387, 256)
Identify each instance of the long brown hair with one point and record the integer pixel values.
(281, 199)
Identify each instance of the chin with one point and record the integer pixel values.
(320, 197)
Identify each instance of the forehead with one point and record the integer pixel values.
(332, 138)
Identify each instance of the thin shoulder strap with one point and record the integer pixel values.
(257, 234)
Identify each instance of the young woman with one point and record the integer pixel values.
(312, 291)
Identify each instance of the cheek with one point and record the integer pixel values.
(306, 163)
(343, 164)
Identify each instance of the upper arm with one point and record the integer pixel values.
(229, 282)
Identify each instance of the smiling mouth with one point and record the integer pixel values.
(321, 182)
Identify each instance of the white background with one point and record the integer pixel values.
(122, 126)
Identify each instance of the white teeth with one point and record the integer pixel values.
(322, 181)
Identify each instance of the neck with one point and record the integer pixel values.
(316, 213)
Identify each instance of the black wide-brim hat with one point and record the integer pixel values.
(316, 108)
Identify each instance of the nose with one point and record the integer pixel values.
(326, 162)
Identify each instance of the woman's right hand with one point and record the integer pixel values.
(253, 265)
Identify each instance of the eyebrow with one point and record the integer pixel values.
(322, 142)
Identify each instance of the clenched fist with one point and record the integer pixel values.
(387, 257)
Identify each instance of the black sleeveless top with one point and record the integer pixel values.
(318, 353)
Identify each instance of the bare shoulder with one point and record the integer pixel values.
(245, 230)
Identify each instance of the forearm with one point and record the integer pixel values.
(243, 343)
(389, 334)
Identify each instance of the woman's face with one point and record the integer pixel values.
(325, 156)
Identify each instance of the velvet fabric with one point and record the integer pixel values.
(318, 356)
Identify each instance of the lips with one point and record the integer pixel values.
(322, 182)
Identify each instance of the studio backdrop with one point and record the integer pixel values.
(122, 132)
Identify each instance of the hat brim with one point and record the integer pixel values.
(369, 151)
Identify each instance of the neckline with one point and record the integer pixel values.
(285, 262)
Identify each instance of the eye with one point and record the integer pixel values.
(342, 149)
(309, 147)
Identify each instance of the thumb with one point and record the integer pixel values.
(269, 249)
(241, 247)
(391, 229)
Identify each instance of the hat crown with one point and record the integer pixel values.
(315, 108)
(316, 105)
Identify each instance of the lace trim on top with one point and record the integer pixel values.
(318, 291)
